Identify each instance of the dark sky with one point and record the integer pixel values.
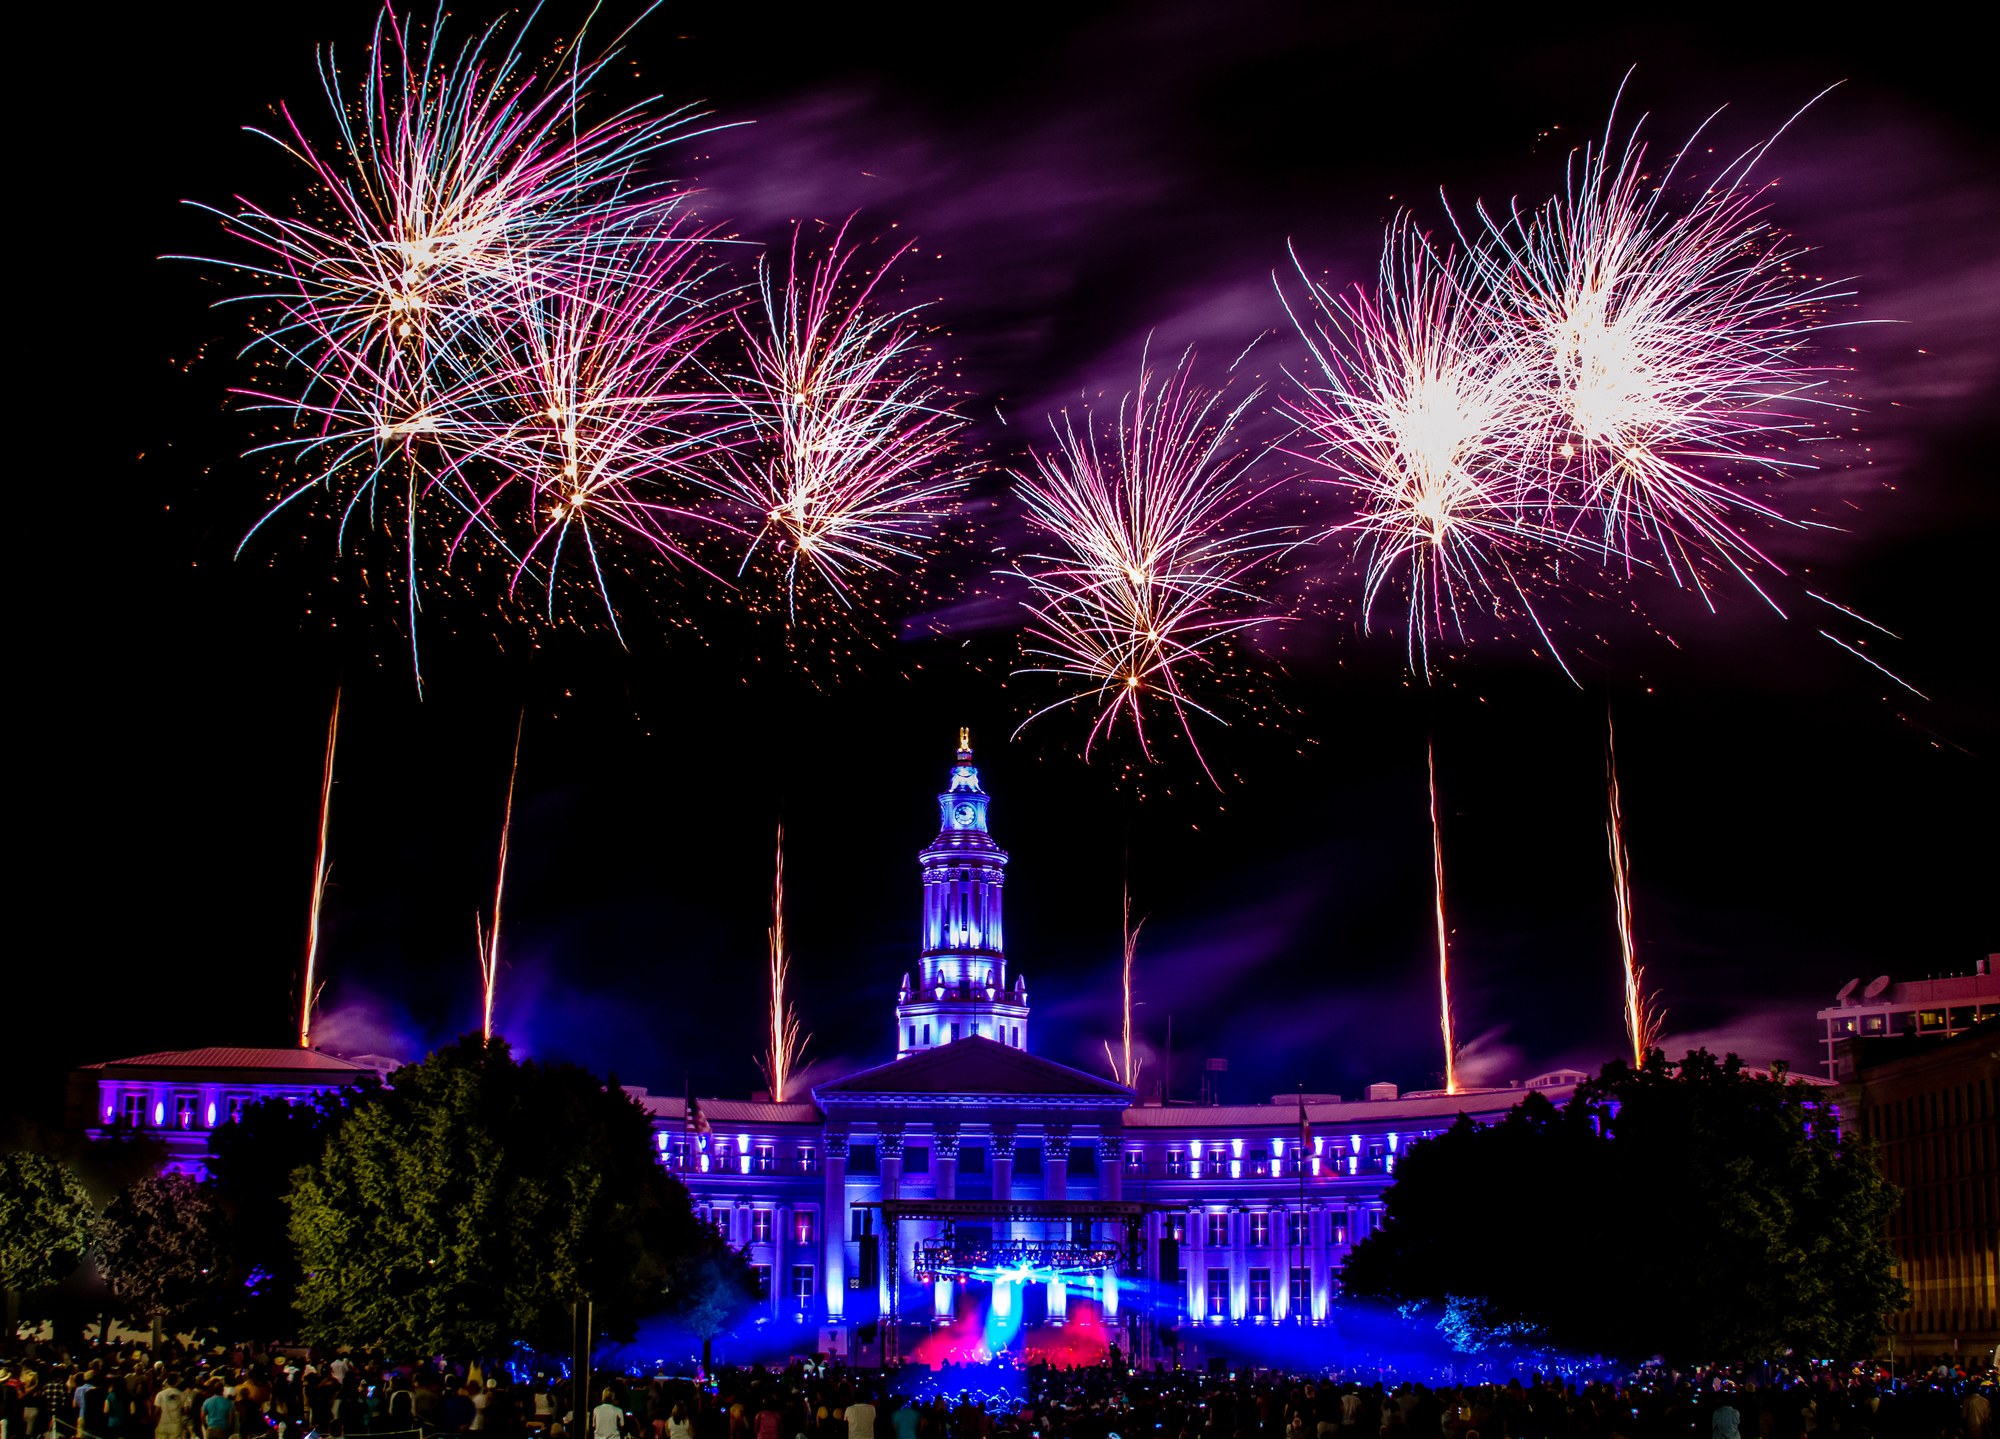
(1078, 179)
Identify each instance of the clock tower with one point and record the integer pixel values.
(962, 987)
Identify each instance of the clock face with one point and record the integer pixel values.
(962, 815)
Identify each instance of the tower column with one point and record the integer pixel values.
(944, 1159)
(833, 1227)
(894, 1265)
(1055, 1162)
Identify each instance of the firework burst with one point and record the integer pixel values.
(854, 432)
(1152, 554)
(1665, 344)
(1412, 407)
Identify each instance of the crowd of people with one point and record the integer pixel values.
(130, 1392)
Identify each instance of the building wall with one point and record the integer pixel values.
(1934, 1116)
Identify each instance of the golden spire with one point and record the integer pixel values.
(964, 739)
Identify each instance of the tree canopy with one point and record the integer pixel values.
(1693, 1210)
(164, 1249)
(465, 1206)
(45, 1221)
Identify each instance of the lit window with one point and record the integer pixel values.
(1176, 1164)
(761, 1274)
(802, 1282)
(1218, 1293)
(1301, 1292)
(808, 1157)
(1260, 1229)
(1218, 1231)
(760, 1226)
(802, 1226)
(1296, 1229)
(135, 1110)
(767, 1159)
(1260, 1294)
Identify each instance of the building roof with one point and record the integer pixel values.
(1429, 1108)
(974, 1070)
(306, 1063)
(730, 1111)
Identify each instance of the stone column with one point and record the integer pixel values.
(944, 1156)
(1110, 1165)
(833, 1227)
(1319, 1242)
(893, 1266)
(1055, 1162)
(1002, 1160)
(781, 1261)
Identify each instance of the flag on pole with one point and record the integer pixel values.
(1305, 1131)
(697, 1122)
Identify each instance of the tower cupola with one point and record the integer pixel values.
(961, 987)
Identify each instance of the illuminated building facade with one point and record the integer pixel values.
(1921, 1008)
(968, 1179)
(966, 1183)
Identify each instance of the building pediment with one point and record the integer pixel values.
(974, 1072)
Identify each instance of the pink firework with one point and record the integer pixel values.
(1665, 342)
(1412, 407)
(852, 460)
(1151, 554)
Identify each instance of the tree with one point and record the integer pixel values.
(466, 1206)
(710, 1290)
(163, 1249)
(252, 1160)
(1693, 1210)
(45, 1224)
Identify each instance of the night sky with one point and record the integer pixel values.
(1077, 181)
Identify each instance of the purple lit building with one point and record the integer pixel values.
(966, 1189)
(967, 1183)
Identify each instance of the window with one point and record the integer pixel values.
(184, 1111)
(861, 1159)
(1176, 1228)
(917, 1159)
(1297, 1231)
(761, 1274)
(1180, 1291)
(1260, 1229)
(802, 1226)
(1301, 1293)
(1218, 1293)
(927, 1034)
(1260, 1294)
(808, 1158)
(1218, 1231)
(725, 1156)
(135, 1110)
(767, 1159)
(232, 1106)
(760, 1226)
(802, 1282)
(864, 1223)
(1017, 1036)
(913, 1036)
(1336, 1222)
(954, 1029)
(1176, 1163)
(1135, 1161)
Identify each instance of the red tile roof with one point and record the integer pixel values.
(293, 1059)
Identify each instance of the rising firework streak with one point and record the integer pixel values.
(489, 938)
(1642, 1017)
(321, 870)
(785, 1045)
(1443, 938)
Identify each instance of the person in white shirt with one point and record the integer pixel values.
(171, 1407)
(861, 1420)
(607, 1419)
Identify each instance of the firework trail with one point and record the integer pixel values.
(1443, 940)
(1413, 407)
(321, 870)
(1666, 348)
(1642, 1016)
(1151, 560)
(786, 1046)
(854, 429)
(1127, 1073)
(456, 183)
(489, 938)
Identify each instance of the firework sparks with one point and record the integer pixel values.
(1152, 562)
(786, 1045)
(321, 870)
(489, 938)
(855, 432)
(1666, 347)
(1413, 408)
(1443, 938)
(1642, 1016)
(462, 190)
(1127, 1072)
